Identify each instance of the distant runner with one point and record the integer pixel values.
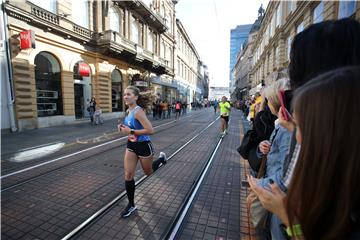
(215, 105)
(225, 109)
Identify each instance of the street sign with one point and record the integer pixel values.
(27, 39)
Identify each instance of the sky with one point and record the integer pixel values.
(208, 24)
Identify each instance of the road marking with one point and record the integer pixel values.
(75, 153)
(27, 155)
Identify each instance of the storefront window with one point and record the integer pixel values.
(48, 85)
(346, 8)
(116, 91)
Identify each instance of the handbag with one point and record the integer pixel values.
(258, 214)
(248, 142)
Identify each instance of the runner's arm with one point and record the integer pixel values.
(148, 128)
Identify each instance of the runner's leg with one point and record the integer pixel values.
(130, 162)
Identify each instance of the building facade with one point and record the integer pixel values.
(238, 36)
(84, 49)
(282, 21)
(216, 93)
(187, 67)
(243, 64)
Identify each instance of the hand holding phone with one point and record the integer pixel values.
(284, 113)
(245, 184)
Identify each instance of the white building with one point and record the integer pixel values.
(218, 92)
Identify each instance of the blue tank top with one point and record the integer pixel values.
(133, 123)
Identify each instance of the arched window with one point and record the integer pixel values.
(116, 91)
(80, 12)
(114, 18)
(48, 85)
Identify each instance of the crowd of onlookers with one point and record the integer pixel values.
(303, 145)
(162, 109)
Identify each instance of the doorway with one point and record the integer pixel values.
(79, 100)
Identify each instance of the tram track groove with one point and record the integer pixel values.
(80, 159)
(81, 227)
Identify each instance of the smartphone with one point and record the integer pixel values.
(245, 183)
(282, 100)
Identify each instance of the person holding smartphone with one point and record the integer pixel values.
(275, 149)
(139, 147)
(322, 201)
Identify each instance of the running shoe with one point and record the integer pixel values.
(162, 155)
(128, 211)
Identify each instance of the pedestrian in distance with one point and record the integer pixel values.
(169, 110)
(225, 109)
(215, 105)
(178, 110)
(91, 109)
(98, 116)
(154, 110)
(139, 147)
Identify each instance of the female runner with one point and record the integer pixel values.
(139, 147)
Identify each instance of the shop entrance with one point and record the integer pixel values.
(79, 101)
(82, 90)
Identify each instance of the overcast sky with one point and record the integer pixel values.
(208, 23)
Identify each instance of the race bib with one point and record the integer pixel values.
(132, 138)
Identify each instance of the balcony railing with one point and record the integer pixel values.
(45, 15)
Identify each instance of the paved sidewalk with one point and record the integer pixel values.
(216, 211)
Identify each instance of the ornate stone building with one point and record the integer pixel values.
(187, 67)
(282, 21)
(86, 49)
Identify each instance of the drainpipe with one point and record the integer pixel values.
(9, 83)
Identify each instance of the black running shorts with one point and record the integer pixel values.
(226, 118)
(141, 149)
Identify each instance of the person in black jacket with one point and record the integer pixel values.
(263, 126)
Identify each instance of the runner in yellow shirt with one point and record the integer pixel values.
(225, 109)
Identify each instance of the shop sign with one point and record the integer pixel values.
(27, 39)
(145, 92)
(140, 83)
(84, 70)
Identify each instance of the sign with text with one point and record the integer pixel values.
(27, 39)
(141, 83)
(84, 70)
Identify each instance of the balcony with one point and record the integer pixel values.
(150, 17)
(49, 22)
(112, 42)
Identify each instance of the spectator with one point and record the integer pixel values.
(276, 149)
(319, 48)
(177, 109)
(91, 109)
(98, 116)
(323, 198)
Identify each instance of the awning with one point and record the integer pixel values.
(158, 80)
